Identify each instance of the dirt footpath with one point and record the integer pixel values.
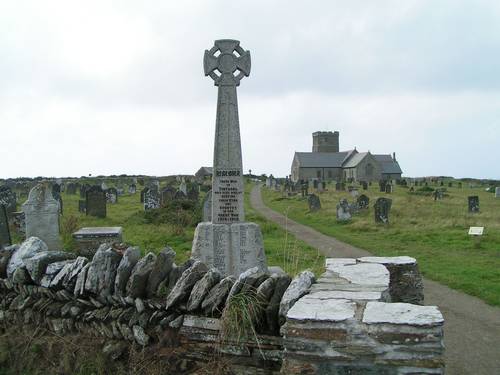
(472, 328)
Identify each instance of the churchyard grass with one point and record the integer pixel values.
(281, 248)
(434, 232)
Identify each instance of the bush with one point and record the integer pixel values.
(184, 213)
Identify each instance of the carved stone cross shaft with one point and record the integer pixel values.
(227, 63)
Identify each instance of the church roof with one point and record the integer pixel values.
(321, 159)
(355, 160)
(389, 165)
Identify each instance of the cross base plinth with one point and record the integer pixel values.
(231, 248)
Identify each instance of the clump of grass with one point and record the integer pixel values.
(242, 313)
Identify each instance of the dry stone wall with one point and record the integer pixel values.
(342, 322)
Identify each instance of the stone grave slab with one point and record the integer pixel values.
(89, 239)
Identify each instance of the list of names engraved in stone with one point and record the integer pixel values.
(227, 197)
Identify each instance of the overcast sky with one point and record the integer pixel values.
(118, 87)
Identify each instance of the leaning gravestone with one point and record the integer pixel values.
(314, 202)
(343, 210)
(228, 243)
(382, 208)
(207, 207)
(112, 195)
(5, 239)
(41, 213)
(151, 199)
(363, 201)
(8, 199)
(474, 203)
(95, 202)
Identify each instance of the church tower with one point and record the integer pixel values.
(325, 142)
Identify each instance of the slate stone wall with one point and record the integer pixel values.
(342, 322)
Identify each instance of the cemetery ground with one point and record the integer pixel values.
(153, 230)
(434, 232)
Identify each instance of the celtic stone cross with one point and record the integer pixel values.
(227, 63)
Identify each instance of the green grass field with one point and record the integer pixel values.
(281, 248)
(435, 233)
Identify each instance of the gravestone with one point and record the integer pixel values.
(179, 195)
(104, 187)
(151, 199)
(473, 203)
(207, 207)
(343, 210)
(82, 206)
(382, 184)
(497, 192)
(228, 243)
(193, 193)
(71, 188)
(112, 195)
(5, 239)
(304, 189)
(167, 195)
(8, 199)
(364, 184)
(388, 188)
(41, 213)
(363, 201)
(132, 188)
(183, 187)
(438, 194)
(382, 209)
(354, 192)
(83, 190)
(95, 202)
(314, 202)
(120, 191)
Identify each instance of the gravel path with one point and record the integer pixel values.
(472, 328)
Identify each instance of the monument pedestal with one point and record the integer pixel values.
(231, 248)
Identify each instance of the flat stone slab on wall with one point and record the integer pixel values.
(346, 324)
(89, 239)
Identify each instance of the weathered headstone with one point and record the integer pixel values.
(207, 207)
(193, 193)
(132, 188)
(71, 188)
(314, 202)
(364, 184)
(41, 212)
(363, 201)
(382, 184)
(112, 195)
(228, 243)
(95, 202)
(8, 199)
(183, 187)
(151, 199)
(354, 192)
(343, 210)
(497, 192)
(5, 239)
(167, 195)
(388, 188)
(382, 209)
(473, 203)
(82, 206)
(83, 190)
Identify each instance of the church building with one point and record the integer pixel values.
(326, 162)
